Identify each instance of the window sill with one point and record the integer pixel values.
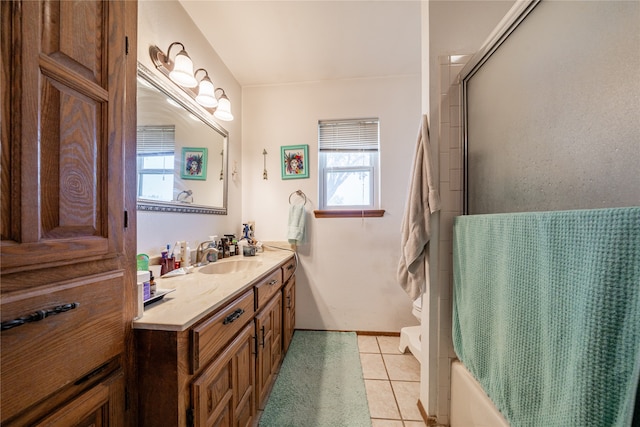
(359, 213)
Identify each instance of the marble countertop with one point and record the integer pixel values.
(198, 294)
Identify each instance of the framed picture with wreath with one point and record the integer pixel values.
(194, 163)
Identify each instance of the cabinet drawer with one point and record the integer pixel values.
(268, 287)
(209, 337)
(287, 269)
(41, 357)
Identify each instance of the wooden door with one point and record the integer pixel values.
(268, 333)
(67, 251)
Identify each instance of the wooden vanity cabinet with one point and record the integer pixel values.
(219, 371)
(67, 213)
(173, 363)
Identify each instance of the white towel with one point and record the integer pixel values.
(423, 200)
(295, 229)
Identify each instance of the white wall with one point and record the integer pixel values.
(348, 275)
(161, 23)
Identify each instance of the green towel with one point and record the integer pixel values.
(546, 313)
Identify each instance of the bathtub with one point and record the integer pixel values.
(470, 406)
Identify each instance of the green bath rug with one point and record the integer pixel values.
(320, 384)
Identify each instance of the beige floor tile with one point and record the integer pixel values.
(414, 424)
(402, 367)
(373, 367)
(382, 403)
(385, 423)
(407, 395)
(368, 344)
(389, 345)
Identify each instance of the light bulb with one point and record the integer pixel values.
(182, 72)
(206, 95)
(223, 112)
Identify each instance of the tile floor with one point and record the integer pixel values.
(392, 381)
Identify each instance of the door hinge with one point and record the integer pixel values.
(190, 417)
(126, 219)
(126, 45)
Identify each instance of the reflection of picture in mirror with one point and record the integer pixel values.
(194, 163)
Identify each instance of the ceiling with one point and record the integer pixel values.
(278, 42)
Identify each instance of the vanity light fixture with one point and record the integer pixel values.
(180, 71)
(206, 92)
(223, 112)
(181, 68)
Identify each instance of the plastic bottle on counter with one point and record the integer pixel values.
(186, 255)
(225, 247)
(144, 278)
(232, 246)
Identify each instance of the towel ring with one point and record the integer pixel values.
(299, 193)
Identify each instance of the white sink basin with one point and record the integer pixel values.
(231, 266)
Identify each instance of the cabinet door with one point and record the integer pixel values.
(222, 395)
(244, 368)
(99, 406)
(289, 313)
(269, 335)
(62, 133)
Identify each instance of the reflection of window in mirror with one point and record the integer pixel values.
(156, 157)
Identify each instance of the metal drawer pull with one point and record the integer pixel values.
(288, 301)
(263, 336)
(233, 316)
(273, 282)
(39, 315)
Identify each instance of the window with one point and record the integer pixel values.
(349, 164)
(156, 149)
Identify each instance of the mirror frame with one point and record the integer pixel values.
(190, 105)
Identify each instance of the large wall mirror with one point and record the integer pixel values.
(181, 151)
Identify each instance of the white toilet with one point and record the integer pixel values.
(410, 335)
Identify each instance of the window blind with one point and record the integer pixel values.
(348, 135)
(158, 140)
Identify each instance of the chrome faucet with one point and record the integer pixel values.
(200, 252)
